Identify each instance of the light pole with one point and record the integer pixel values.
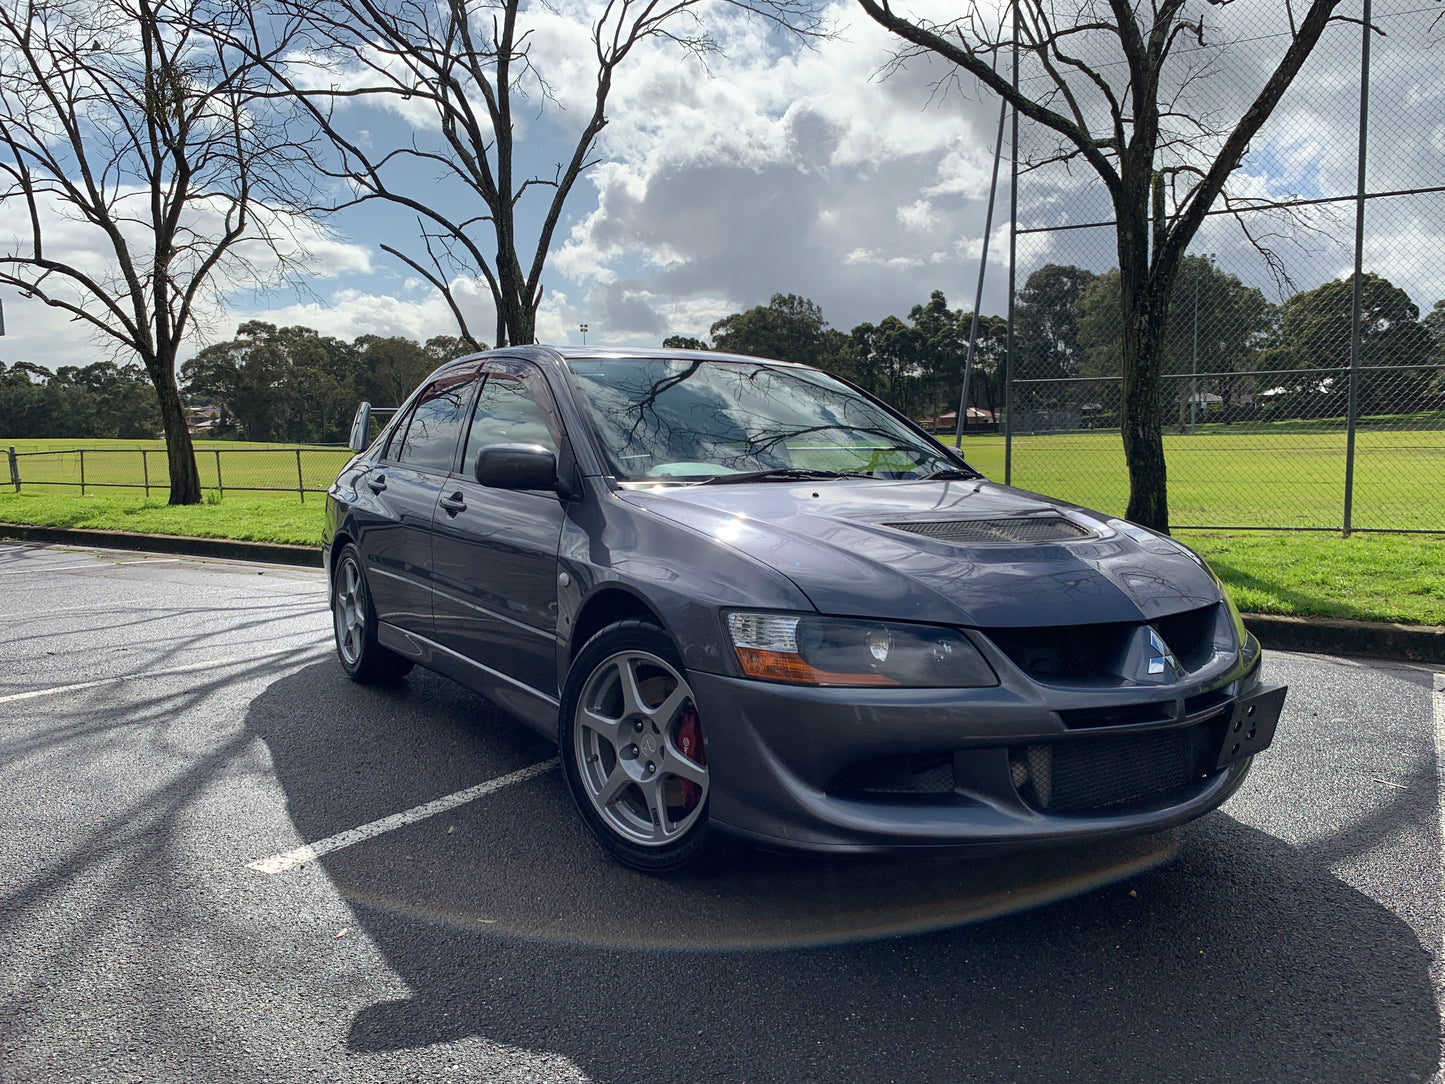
(583, 328)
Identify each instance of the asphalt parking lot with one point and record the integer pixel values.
(175, 732)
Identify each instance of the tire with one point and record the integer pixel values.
(632, 749)
(353, 618)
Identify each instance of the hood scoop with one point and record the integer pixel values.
(1013, 530)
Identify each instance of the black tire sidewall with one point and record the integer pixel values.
(374, 664)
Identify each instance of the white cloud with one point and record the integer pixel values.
(918, 215)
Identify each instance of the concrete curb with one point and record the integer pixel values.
(273, 553)
(1363, 639)
(1320, 635)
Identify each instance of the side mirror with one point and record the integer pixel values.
(517, 466)
(359, 425)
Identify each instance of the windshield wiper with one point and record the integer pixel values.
(950, 474)
(780, 474)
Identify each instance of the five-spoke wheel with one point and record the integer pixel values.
(354, 618)
(632, 745)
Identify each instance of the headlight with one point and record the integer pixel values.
(811, 650)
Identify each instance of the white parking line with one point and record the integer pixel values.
(301, 855)
(98, 563)
(210, 664)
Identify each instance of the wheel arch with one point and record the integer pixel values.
(607, 606)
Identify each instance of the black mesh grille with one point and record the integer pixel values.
(1190, 635)
(930, 774)
(1085, 775)
(1017, 529)
(1065, 653)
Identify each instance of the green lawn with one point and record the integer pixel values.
(1236, 477)
(253, 517)
(1222, 477)
(226, 466)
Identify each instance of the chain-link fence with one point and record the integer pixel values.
(1281, 408)
(297, 471)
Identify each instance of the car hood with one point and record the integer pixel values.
(841, 543)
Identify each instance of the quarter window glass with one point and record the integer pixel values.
(436, 423)
(506, 413)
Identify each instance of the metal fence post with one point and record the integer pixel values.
(220, 485)
(1359, 267)
(14, 469)
(300, 481)
(145, 469)
(82, 472)
(1013, 264)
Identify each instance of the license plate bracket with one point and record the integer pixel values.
(1251, 724)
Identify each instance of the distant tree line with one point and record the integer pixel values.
(102, 400)
(1255, 356)
(915, 362)
(289, 384)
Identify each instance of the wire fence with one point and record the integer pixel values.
(1283, 408)
(297, 471)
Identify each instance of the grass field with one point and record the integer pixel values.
(1242, 479)
(1293, 479)
(55, 466)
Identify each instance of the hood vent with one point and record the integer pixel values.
(984, 531)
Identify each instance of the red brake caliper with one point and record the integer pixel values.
(689, 743)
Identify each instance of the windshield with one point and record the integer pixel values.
(664, 419)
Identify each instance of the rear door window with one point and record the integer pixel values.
(428, 441)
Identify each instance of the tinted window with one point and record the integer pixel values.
(436, 423)
(664, 418)
(506, 413)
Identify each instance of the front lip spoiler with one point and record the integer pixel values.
(775, 750)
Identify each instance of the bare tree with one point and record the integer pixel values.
(473, 66)
(148, 172)
(1115, 80)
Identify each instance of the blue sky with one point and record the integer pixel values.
(781, 168)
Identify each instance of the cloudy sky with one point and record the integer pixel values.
(779, 167)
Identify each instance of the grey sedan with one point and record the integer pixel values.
(747, 599)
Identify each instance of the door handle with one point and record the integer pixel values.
(454, 503)
(377, 484)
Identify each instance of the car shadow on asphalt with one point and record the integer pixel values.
(1216, 952)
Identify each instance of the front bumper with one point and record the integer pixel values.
(860, 770)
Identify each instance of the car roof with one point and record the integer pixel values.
(563, 354)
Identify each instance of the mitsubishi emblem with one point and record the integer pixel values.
(1161, 659)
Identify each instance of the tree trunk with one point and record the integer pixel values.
(1141, 412)
(180, 453)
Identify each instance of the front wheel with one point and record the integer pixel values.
(354, 618)
(632, 749)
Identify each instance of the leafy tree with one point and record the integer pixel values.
(444, 348)
(1434, 322)
(159, 157)
(890, 356)
(19, 398)
(1109, 79)
(102, 400)
(1046, 336)
(789, 328)
(282, 384)
(918, 366)
(683, 342)
(1315, 329)
(391, 368)
(1227, 323)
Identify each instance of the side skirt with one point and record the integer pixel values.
(534, 707)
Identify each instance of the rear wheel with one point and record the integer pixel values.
(632, 749)
(354, 618)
